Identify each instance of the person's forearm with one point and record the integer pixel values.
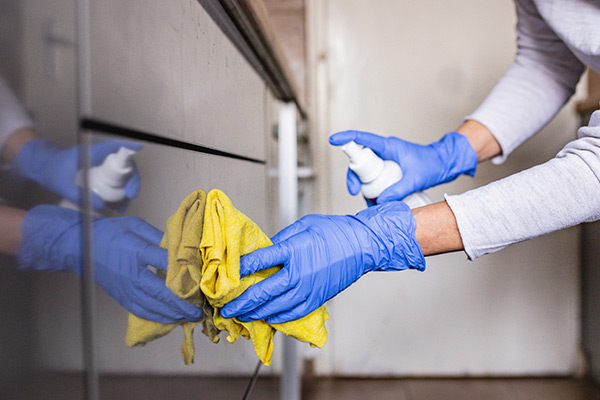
(11, 220)
(11, 148)
(436, 230)
(481, 139)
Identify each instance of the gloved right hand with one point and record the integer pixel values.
(122, 249)
(422, 166)
(323, 255)
(56, 169)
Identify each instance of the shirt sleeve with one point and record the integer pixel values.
(534, 88)
(560, 193)
(12, 115)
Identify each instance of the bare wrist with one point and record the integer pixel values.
(481, 139)
(437, 231)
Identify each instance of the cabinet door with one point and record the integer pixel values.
(166, 68)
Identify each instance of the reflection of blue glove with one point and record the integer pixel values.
(55, 169)
(422, 166)
(323, 255)
(122, 249)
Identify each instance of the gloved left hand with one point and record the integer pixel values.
(323, 255)
(43, 162)
(422, 166)
(122, 249)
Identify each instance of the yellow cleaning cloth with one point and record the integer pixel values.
(209, 258)
(182, 240)
(227, 235)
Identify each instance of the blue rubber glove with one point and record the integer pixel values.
(122, 249)
(322, 255)
(422, 166)
(56, 169)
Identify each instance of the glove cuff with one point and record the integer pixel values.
(457, 156)
(393, 226)
(31, 160)
(51, 240)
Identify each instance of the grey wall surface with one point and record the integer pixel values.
(590, 279)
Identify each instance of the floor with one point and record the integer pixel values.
(450, 389)
(67, 387)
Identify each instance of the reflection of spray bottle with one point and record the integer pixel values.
(108, 179)
(377, 175)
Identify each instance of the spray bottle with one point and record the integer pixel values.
(108, 179)
(377, 175)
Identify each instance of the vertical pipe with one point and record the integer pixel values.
(288, 165)
(88, 295)
(288, 211)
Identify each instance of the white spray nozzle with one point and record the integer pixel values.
(121, 160)
(108, 180)
(376, 175)
(363, 161)
(352, 150)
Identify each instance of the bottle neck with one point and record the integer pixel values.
(367, 166)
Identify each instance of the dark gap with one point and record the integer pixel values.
(113, 129)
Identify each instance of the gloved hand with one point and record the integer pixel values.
(122, 249)
(422, 166)
(322, 255)
(55, 169)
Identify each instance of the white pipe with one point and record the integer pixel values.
(303, 173)
(290, 384)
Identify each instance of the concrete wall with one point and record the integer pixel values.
(414, 70)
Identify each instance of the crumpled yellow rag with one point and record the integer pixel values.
(182, 239)
(226, 235)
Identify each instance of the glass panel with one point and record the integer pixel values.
(126, 241)
(61, 339)
(40, 335)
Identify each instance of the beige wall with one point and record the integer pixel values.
(414, 70)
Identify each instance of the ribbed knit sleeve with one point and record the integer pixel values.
(560, 193)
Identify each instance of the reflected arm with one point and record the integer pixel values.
(481, 139)
(437, 231)
(15, 142)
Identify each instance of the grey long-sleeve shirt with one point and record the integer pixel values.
(556, 39)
